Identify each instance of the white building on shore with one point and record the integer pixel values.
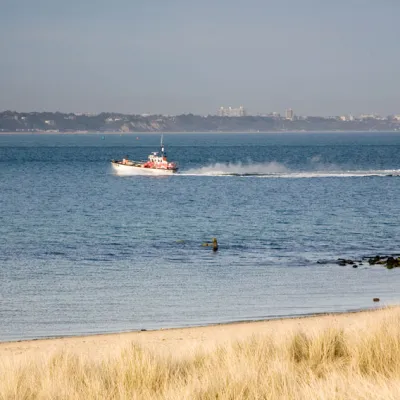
(232, 112)
(289, 114)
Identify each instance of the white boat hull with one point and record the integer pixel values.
(121, 169)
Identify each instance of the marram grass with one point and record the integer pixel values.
(356, 363)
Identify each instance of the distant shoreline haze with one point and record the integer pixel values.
(12, 121)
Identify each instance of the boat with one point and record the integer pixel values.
(156, 164)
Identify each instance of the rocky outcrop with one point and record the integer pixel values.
(390, 262)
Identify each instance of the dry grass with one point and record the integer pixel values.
(356, 363)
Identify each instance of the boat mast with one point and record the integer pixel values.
(162, 146)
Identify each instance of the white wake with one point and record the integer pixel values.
(221, 169)
(278, 170)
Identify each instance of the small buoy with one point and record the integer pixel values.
(375, 299)
(214, 244)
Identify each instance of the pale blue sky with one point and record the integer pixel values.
(319, 57)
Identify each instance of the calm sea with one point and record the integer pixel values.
(85, 251)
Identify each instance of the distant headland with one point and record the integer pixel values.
(12, 121)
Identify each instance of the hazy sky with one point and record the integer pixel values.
(319, 57)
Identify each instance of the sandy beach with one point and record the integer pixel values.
(337, 356)
(175, 341)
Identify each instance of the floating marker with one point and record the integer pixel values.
(214, 244)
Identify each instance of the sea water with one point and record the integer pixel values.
(85, 251)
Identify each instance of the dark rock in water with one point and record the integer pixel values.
(392, 262)
(374, 260)
(389, 262)
(343, 261)
(375, 299)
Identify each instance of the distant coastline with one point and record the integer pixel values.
(110, 123)
(46, 133)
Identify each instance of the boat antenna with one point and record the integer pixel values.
(162, 146)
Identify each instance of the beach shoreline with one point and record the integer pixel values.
(190, 326)
(352, 355)
(179, 339)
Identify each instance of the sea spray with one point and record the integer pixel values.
(218, 169)
(275, 169)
